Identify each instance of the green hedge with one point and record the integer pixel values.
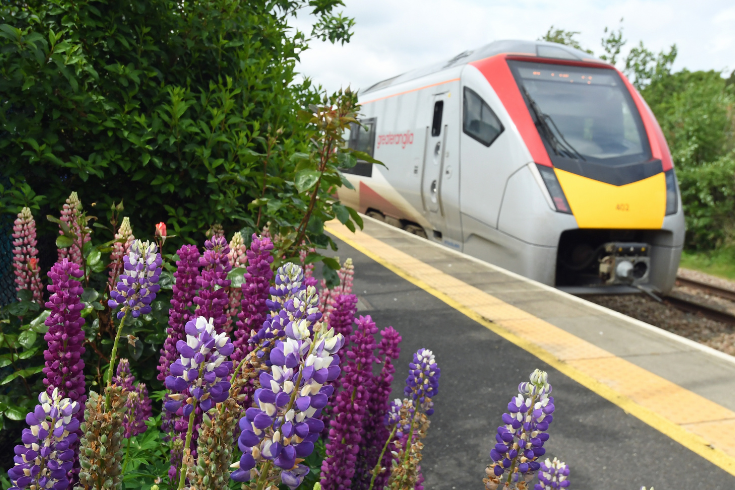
(180, 109)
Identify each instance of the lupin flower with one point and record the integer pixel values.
(138, 285)
(101, 450)
(254, 295)
(213, 283)
(47, 456)
(184, 289)
(422, 383)
(345, 433)
(119, 250)
(342, 315)
(520, 440)
(285, 424)
(25, 262)
(202, 368)
(376, 434)
(138, 407)
(70, 214)
(64, 365)
(238, 258)
(553, 475)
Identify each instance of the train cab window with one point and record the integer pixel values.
(480, 122)
(362, 139)
(436, 123)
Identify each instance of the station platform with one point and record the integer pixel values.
(635, 405)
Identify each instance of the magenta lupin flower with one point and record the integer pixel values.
(138, 286)
(47, 454)
(137, 408)
(213, 283)
(374, 428)
(238, 258)
(342, 315)
(119, 250)
(25, 261)
(64, 365)
(255, 292)
(338, 468)
(184, 290)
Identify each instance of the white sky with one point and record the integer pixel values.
(394, 36)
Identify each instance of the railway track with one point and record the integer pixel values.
(693, 304)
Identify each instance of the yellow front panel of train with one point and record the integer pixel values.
(640, 205)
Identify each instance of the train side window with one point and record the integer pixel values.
(362, 139)
(436, 123)
(480, 122)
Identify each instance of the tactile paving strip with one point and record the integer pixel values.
(699, 424)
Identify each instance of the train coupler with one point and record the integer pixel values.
(625, 263)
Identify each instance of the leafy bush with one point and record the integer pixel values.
(185, 111)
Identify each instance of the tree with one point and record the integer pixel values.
(560, 36)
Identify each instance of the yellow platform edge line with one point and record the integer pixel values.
(693, 442)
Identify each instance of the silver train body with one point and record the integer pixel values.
(531, 156)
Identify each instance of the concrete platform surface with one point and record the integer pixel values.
(635, 405)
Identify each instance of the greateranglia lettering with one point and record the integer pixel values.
(402, 139)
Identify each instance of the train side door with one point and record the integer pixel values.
(433, 153)
(440, 182)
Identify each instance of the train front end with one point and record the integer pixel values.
(604, 160)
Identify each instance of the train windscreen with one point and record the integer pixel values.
(583, 114)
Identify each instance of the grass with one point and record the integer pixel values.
(719, 263)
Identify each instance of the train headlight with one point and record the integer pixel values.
(672, 204)
(555, 190)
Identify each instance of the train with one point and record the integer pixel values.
(533, 156)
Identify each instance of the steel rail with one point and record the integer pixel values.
(727, 294)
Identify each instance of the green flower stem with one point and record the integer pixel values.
(192, 416)
(127, 453)
(376, 470)
(108, 400)
(410, 436)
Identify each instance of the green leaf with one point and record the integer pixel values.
(15, 413)
(346, 159)
(341, 213)
(306, 179)
(19, 308)
(313, 257)
(237, 276)
(331, 263)
(25, 373)
(362, 156)
(98, 267)
(355, 216)
(94, 257)
(330, 276)
(27, 354)
(89, 295)
(63, 241)
(166, 281)
(37, 324)
(346, 182)
(27, 338)
(25, 295)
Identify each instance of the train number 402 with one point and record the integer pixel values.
(622, 207)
